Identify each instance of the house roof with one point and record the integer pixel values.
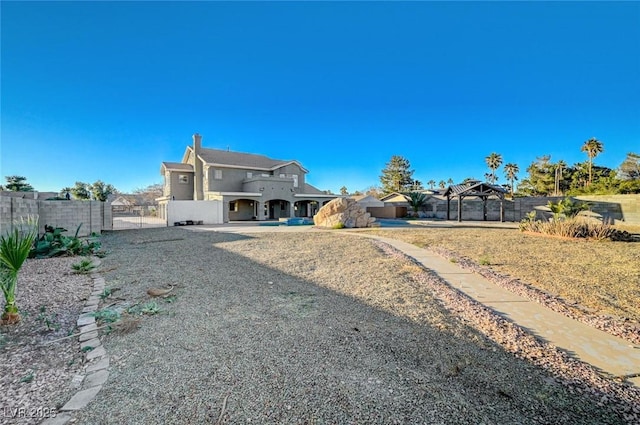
(312, 189)
(474, 188)
(242, 160)
(177, 166)
(368, 200)
(395, 197)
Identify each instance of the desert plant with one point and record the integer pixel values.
(54, 243)
(14, 250)
(84, 266)
(417, 201)
(107, 315)
(566, 208)
(338, 226)
(49, 320)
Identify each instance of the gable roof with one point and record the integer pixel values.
(475, 188)
(231, 159)
(177, 166)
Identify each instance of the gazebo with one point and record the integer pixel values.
(477, 189)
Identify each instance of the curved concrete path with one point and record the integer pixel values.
(606, 352)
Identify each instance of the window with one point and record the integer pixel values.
(295, 180)
(183, 178)
(233, 206)
(217, 174)
(249, 174)
(282, 176)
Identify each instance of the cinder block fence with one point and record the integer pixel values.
(95, 216)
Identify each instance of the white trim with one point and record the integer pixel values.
(237, 193)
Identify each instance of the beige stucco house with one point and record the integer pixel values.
(250, 186)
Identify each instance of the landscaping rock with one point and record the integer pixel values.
(343, 212)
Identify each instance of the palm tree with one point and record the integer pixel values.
(494, 161)
(511, 170)
(431, 183)
(450, 181)
(560, 166)
(442, 184)
(417, 201)
(15, 246)
(592, 148)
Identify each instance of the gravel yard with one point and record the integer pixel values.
(318, 327)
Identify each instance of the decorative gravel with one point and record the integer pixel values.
(317, 327)
(36, 371)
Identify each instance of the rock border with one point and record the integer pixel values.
(96, 371)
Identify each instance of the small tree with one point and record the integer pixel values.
(442, 184)
(417, 201)
(17, 184)
(566, 208)
(344, 191)
(15, 246)
(397, 175)
(81, 190)
(101, 190)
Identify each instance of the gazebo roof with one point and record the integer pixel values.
(475, 188)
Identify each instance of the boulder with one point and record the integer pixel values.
(343, 212)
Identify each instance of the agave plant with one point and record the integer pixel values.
(14, 250)
(417, 200)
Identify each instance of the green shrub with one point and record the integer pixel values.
(576, 227)
(338, 226)
(54, 243)
(84, 266)
(14, 250)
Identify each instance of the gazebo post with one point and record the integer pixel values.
(459, 208)
(502, 209)
(484, 208)
(448, 206)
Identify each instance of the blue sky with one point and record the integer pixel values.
(109, 90)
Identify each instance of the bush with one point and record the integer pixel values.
(53, 243)
(575, 227)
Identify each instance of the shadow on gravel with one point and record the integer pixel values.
(323, 342)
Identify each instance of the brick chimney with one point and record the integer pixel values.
(198, 192)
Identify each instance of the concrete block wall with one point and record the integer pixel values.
(95, 216)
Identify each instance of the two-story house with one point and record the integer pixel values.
(250, 186)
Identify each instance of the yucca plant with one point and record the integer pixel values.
(14, 250)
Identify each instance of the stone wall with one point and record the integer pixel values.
(94, 216)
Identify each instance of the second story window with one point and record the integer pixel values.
(295, 180)
(217, 174)
(249, 174)
(183, 178)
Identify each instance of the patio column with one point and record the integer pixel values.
(459, 208)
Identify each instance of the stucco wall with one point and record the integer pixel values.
(209, 212)
(181, 191)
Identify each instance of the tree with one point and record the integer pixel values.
(592, 148)
(397, 175)
(494, 161)
(511, 171)
(432, 184)
(374, 191)
(417, 201)
(559, 167)
(101, 190)
(81, 190)
(17, 184)
(417, 185)
(450, 181)
(344, 191)
(540, 181)
(630, 167)
(442, 184)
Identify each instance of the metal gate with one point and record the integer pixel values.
(135, 216)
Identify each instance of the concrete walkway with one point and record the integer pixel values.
(606, 352)
(600, 349)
